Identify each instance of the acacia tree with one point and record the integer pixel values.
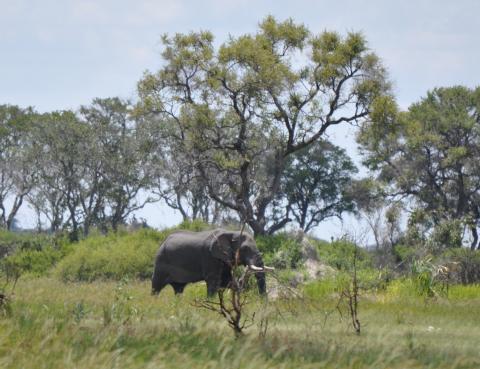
(316, 184)
(428, 154)
(245, 108)
(17, 174)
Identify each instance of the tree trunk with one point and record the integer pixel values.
(16, 206)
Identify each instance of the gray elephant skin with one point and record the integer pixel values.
(188, 257)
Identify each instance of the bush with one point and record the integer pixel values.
(31, 253)
(195, 225)
(280, 250)
(320, 289)
(424, 274)
(35, 262)
(339, 254)
(463, 264)
(112, 257)
(11, 242)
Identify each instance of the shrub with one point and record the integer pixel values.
(280, 250)
(36, 262)
(463, 264)
(31, 253)
(195, 225)
(340, 254)
(11, 242)
(320, 289)
(423, 278)
(112, 257)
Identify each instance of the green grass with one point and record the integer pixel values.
(109, 324)
(88, 305)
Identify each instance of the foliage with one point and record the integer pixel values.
(280, 250)
(17, 169)
(91, 166)
(317, 179)
(113, 256)
(463, 264)
(11, 241)
(424, 274)
(35, 262)
(340, 254)
(239, 112)
(31, 253)
(195, 225)
(319, 290)
(428, 154)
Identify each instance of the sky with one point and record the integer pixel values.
(60, 54)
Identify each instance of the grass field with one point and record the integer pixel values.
(51, 324)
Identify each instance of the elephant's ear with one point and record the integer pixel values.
(221, 246)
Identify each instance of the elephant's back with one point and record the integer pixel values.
(184, 245)
(182, 256)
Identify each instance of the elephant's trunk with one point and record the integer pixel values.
(262, 286)
(259, 268)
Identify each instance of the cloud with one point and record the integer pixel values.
(126, 13)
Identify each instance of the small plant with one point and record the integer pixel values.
(430, 280)
(121, 309)
(349, 293)
(231, 302)
(79, 311)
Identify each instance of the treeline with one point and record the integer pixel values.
(238, 132)
(76, 169)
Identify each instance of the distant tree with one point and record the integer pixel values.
(241, 111)
(176, 177)
(118, 160)
(316, 183)
(429, 154)
(17, 174)
(61, 144)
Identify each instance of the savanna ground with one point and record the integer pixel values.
(53, 324)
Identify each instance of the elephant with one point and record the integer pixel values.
(187, 257)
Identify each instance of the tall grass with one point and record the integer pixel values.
(94, 310)
(119, 325)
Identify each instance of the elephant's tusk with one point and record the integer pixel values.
(260, 269)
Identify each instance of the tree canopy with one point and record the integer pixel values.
(242, 109)
(429, 154)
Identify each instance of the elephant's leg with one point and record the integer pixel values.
(178, 287)
(213, 277)
(212, 287)
(226, 276)
(159, 281)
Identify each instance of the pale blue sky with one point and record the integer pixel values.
(59, 54)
